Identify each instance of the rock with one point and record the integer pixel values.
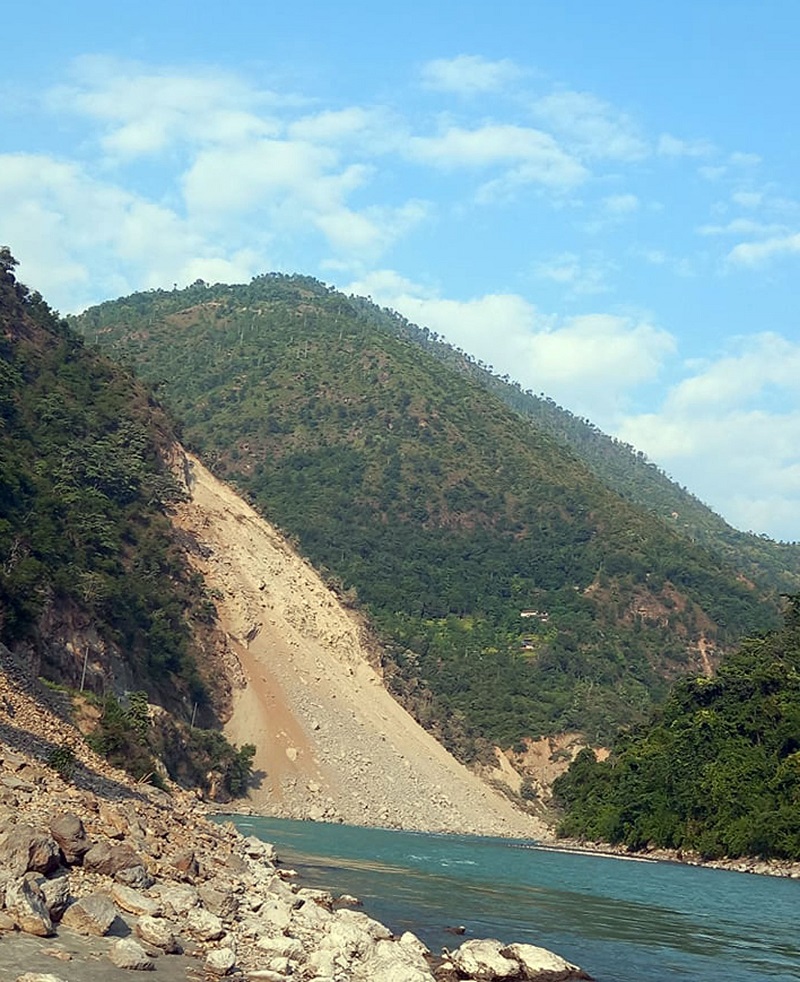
(542, 965)
(176, 899)
(130, 900)
(126, 953)
(90, 915)
(26, 849)
(186, 864)
(56, 895)
(219, 899)
(159, 933)
(393, 962)
(25, 904)
(256, 848)
(481, 960)
(68, 831)
(203, 925)
(220, 962)
(110, 859)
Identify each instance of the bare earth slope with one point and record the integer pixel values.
(331, 742)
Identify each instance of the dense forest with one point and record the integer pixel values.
(717, 771)
(95, 593)
(515, 591)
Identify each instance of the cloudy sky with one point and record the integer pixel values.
(601, 199)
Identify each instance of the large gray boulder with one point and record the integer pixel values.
(25, 849)
(129, 954)
(91, 915)
(68, 831)
(542, 965)
(26, 906)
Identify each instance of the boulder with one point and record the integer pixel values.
(129, 954)
(393, 962)
(158, 932)
(134, 902)
(218, 897)
(56, 895)
(482, 961)
(542, 965)
(91, 915)
(220, 962)
(110, 859)
(25, 904)
(186, 864)
(68, 831)
(203, 925)
(25, 849)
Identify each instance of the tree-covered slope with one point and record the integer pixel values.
(775, 565)
(718, 769)
(516, 592)
(95, 591)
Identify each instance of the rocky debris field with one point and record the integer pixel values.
(101, 877)
(331, 742)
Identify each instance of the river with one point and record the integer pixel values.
(621, 920)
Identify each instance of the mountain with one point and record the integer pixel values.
(620, 466)
(515, 590)
(96, 592)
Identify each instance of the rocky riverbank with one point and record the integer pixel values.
(100, 877)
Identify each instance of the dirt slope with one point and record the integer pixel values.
(331, 742)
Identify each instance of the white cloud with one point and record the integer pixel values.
(730, 432)
(759, 253)
(672, 146)
(530, 155)
(742, 226)
(740, 159)
(144, 110)
(620, 204)
(80, 240)
(579, 276)
(592, 126)
(367, 130)
(468, 74)
(588, 363)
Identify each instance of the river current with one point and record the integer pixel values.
(621, 920)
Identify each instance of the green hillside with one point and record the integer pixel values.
(775, 565)
(516, 592)
(95, 593)
(717, 771)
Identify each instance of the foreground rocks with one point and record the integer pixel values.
(149, 884)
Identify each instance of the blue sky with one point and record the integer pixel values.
(600, 199)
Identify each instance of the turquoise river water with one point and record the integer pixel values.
(620, 920)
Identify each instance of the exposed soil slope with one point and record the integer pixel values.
(331, 742)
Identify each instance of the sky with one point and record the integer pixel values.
(599, 198)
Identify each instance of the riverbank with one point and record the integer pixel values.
(741, 864)
(101, 876)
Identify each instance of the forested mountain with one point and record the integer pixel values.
(517, 592)
(95, 592)
(620, 466)
(716, 771)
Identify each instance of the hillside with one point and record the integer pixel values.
(717, 771)
(331, 742)
(96, 594)
(516, 593)
(623, 468)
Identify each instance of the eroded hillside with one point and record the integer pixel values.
(331, 742)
